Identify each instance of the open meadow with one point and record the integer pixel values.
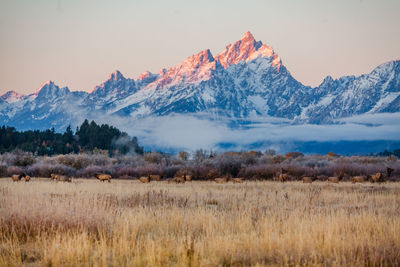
(198, 223)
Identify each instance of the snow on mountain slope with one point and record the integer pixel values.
(244, 82)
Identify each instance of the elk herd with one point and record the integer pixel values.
(282, 176)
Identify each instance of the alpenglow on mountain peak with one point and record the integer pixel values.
(246, 49)
(246, 81)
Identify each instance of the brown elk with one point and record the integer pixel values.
(358, 179)
(220, 180)
(154, 177)
(283, 177)
(307, 180)
(179, 179)
(188, 177)
(144, 180)
(334, 179)
(377, 178)
(53, 177)
(103, 177)
(237, 180)
(16, 177)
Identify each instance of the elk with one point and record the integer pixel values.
(358, 179)
(220, 180)
(188, 177)
(334, 179)
(377, 178)
(53, 177)
(179, 179)
(144, 180)
(307, 180)
(103, 177)
(283, 177)
(16, 177)
(154, 177)
(237, 180)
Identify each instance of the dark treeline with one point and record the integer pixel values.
(386, 153)
(89, 137)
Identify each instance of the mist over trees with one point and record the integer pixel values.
(89, 137)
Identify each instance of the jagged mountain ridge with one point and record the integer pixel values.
(246, 81)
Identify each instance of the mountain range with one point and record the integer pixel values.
(245, 82)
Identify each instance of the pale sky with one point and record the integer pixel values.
(79, 43)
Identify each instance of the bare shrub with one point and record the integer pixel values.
(153, 157)
(92, 170)
(260, 172)
(14, 170)
(18, 158)
(3, 170)
(41, 169)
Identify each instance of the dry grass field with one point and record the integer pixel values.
(127, 223)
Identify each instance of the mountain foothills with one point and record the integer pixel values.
(246, 81)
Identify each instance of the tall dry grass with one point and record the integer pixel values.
(126, 223)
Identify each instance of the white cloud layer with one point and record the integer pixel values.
(192, 132)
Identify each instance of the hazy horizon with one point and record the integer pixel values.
(79, 43)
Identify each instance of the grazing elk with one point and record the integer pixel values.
(307, 180)
(188, 177)
(144, 180)
(358, 179)
(237, 180)
(179, 179)
(16, 177)
(154, 177)
(377, 178)
(220, 180)
(334, 179)
(103, 177)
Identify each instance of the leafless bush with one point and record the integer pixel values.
(153, 157)
(45, 170)
(91, 170)
(3, 170)
(18, 158)
(261, 172)
(14, 170)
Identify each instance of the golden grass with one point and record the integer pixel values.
(128, 223)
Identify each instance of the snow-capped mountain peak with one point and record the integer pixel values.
(239, 51)
(49, 90)
(194, 69)
(12, 96)
(116, 75)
